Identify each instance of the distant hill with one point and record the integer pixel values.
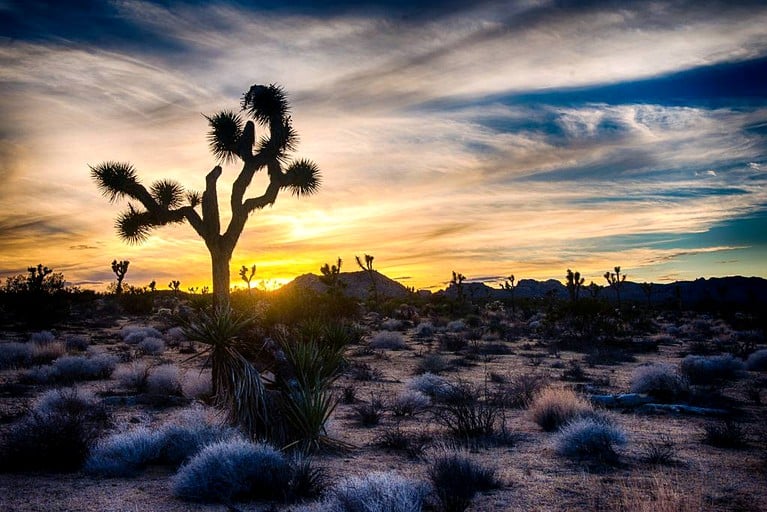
(735, 289)
(357, 285)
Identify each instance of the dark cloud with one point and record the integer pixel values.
(25, 229)
(83, 247)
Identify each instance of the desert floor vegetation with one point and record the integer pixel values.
(460, 407)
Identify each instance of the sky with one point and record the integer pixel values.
(487, 138)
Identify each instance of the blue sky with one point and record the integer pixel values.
(490, 138)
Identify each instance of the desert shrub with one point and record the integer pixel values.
(660, 451)
(233, 470)
(660, 381)
(728, 434)
(388, 340)
(369, 414)
(468, 411)
(124, 454)
(175, 335)
(553, 407)
(42, 337)
(424, 330)
(432, 363)
(376, 492)
(429, 384)
(364, 372)
(164, 380)
(703, 370)
(663, 495)
(391, 324)
(133, 334)
(45, 352)
(15, 355)
(56, 434)
(592, 438)
(307, 481)
(456, 326)
(520, 389)
(133, 376)
(457, 478)
(76, 343)
(453, 342)
(757, 361)
(197, 385)
(68, 369)
(410, 403)
(151, 346)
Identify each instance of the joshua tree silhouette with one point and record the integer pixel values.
(367, 267)
(166, 201)
(120, 268)
(574, 284)
(248, 278)
(616, 280)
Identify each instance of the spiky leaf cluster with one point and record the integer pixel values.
(224, 135)
(134, 225)
(167, 193)
(115, 180)
(303, 178)
(265, 103)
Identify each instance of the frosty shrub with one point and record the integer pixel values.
(133, 334)
(424, 330)
(593, 438)
(56, 435)
(151, 346)
(388, 340)
(757, 361)
(456, 326)
(70, 369)
(429, 384)
(15, 355)
(553, 407)
(391, 324)
(133, 376)
(704, 370)
(233, 470)
(410, 403)
(197, 385)
(124, 454)
(660, 381)
(76, 343)
(433, 363)
(43, 353)
(376, 492)
(164, 380)
(42, 337)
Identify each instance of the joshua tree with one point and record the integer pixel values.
(175, 285)
(594, 289)
(331, 277)
(616, 280)
(37, 277)
(647, 289)
(510, 286)
(457, 281)
(248, 278)
(120, 268)
(368, 268)
(152, 286)
(574, 283)
(166, 201)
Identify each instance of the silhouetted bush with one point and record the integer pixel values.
(56, 434)
(424, 330)
(364, 372)
(15, 355)
(457, 478)
(468, 411)
(660, 451)
(369, 414)
(591, 438)
(704, 370)
(233, 470)
(521, 389)
(554, 407)
(660, 381)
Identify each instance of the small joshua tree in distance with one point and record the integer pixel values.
(231, 139)
(120, 268)
(616, 280)
(510, 286)
(594, 289)
(248, 277)
(647, 289)
(574, 283)
(368, 268)
(175, 285)
(331, 277)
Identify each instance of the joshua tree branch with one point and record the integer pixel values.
(210, 213)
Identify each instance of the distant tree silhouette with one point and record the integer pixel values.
(166, 201)
(510, 287)
(574, 283)
(331, 277)
(120, 268)
(616, 280)
(248, 278)
(368, 268)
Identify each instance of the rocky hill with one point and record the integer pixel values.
(357, 285)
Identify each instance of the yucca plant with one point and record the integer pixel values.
(166, 201)
(237, 384)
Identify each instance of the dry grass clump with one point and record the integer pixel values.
(658, 494)
(555, 406)
(388, 340)
(660, 381)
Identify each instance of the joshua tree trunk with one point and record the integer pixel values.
(220, 264)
